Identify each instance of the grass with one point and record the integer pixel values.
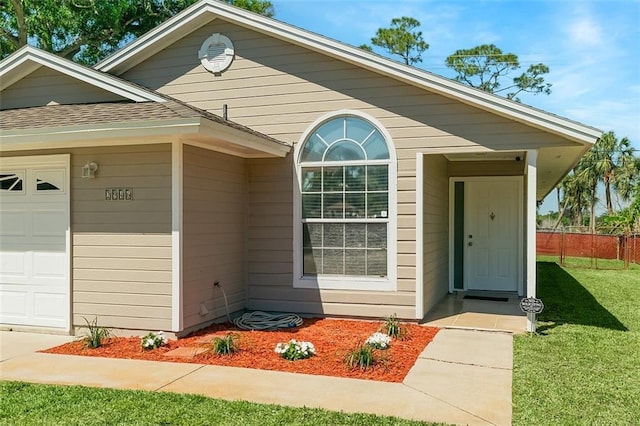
(587, 262)
(30, 404)
(583, 366)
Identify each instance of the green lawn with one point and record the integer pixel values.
(583, 366)
(29, 404)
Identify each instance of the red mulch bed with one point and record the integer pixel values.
(332, 338)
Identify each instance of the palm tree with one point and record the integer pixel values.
(611, 157)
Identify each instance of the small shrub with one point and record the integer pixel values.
(361, 357)
(153, 340)
(392, 327)
(378, 341)
(294, 350)
(96, 334)
(226, 345)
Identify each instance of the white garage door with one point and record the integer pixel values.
(34, 241)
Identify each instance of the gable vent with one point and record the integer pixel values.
(216, 53)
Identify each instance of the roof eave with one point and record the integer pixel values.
(28, 59)
(235, 141)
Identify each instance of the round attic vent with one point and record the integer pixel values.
(216, 53)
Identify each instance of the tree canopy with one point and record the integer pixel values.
(485, 67)
(610, 162)
(401, 39)
(88, 30)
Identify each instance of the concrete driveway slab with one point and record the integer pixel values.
(13, 343)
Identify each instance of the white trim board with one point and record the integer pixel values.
(28, 59)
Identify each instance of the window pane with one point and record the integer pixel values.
(376, 147)
(10, 182)
(334, 235)
(355, 262)
(311, 206)
(333, 262)
(377, 178)
(333, 206)
(377, 235)
(354, 177)
(358, 129)
(311, 179)
(311, 235)
(333, 179)
(313, 149)
(343, 186)
(377, 205)
(354, 205)
(377, 262)
(344, 151)
(312, 262)
(355, 235)
(332, 130)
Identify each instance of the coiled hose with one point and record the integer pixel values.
(259, 320)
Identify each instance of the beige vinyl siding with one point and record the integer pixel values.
(45, 85)
(270, 252)
(121, 250)
(435, 230)
(214, 229)
(281, 89)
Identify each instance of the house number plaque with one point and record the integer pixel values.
(531, 305)
(118, 194)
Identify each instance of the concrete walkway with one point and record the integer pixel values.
(462, 377)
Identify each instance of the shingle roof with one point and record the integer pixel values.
(52, 116)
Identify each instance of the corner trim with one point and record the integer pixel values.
(177, 162)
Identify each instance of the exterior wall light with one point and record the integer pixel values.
(89, 170)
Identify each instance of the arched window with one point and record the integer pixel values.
(345, 207)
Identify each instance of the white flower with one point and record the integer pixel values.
(378, 340)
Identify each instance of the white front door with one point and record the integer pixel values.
(492, 226)
(34, 232)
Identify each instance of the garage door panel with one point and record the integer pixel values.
(49, 265)
(47, 223)
(13, 223)
(34, 225)
(12, 263)
(14, 304)
(48, 305)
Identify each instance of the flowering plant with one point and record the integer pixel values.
(293, 350)
(378, 340)
(153, 340)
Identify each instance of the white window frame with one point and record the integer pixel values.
(364, 283)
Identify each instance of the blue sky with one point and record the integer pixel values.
(591, 47)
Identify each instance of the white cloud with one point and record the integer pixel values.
(585, 33)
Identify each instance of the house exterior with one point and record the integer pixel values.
(302, 174)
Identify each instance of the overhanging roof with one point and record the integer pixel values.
(119, 123)
(205, 11)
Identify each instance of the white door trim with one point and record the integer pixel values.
(520, 213)
(63, 160)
